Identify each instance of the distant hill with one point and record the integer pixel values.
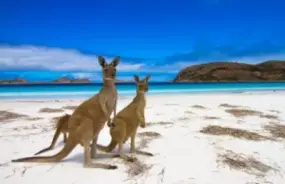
(62, 80)
(230, 71)
(14, 81)
(67, 80)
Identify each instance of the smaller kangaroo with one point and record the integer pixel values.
(127, 121)
(61, 127)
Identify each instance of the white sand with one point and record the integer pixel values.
(182, 153)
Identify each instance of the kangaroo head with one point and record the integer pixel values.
(142, 85)
(108, 70)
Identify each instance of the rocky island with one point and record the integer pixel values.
(14, 81)
(62, 80)
(272, 70)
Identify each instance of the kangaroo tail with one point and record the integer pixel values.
(68, 147)
(59, 126)
(63, 121)
(108, 148)
(54, 139)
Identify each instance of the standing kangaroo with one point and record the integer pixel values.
(61, 127)
(88, 119)
(127, 121)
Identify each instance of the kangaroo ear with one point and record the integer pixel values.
(115, 61)
(102, 61)
(137, 79)
(147, 78)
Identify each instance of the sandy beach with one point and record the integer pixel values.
(202, 139)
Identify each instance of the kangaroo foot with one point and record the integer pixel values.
(100, 165)
(144, 153)
(126, 158)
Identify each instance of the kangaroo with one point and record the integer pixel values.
(127, 122)
(87, 121)
(61, 127)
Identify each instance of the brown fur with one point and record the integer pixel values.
(61, 127)
(128, 120)
(88, 119)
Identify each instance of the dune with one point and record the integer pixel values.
(214, 138)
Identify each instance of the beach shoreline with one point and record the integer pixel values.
(86, 91)
(176, 135)
(158, 95)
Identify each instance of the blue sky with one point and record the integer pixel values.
(50, 39)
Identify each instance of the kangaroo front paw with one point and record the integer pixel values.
(111, 125)
(142, 125)
(112, 167)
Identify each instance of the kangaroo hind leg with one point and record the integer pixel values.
(134, 150)
(88, 160)
(120, 136)
(124, 156)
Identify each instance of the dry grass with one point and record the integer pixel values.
(149, 134)
(171, 104)
(211, 117)
(247, 112)
(26, 127)
(159, 123)
(268, 116)
(137, 168)
(243, 112)
(276, 130)
(33, 118)
(50, 110)
(244, 163)
(234, 132)
(146, 138)
(275, 111)
(184, 118)
(229, 105)
(189, 112)
(8, 116)
(198, 107)
(69, 107)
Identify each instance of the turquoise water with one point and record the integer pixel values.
(87, 90)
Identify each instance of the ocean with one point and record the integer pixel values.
(19, 91)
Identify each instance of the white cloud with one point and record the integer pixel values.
(259, 59)
(54, 59)
(79, 65)
(84, 75)
(245, 59)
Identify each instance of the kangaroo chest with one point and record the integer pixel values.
(110, 101)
